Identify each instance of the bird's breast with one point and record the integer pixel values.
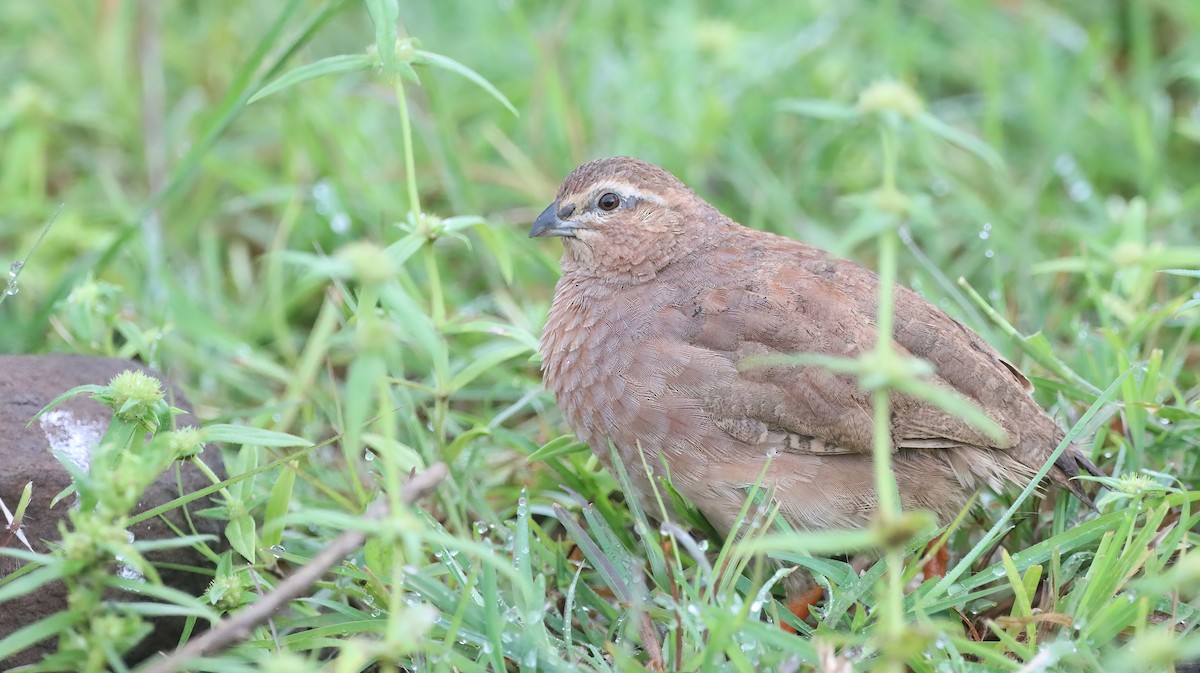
(621, 370)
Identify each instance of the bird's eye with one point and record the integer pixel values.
(608, 201)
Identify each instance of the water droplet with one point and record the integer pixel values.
(481, 527)
(339, 223)
(1064, 165)
(1079, 190)
(989, 253)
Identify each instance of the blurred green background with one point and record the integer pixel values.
(229, 244)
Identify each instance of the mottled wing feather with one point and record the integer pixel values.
(802, 301)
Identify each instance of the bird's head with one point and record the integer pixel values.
(622, 219)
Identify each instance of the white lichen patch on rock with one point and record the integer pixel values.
(71, 437)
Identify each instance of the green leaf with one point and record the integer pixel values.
(559, 446)
(74, 392)
(819, 109)
(488, 360)
(246, 435)
(961, 139)
(1190, 273)
(612, 577)
(406, 247)
(31, 582)
(333, 65)
(385, 14)
(42, 629)
(447, 63)
(277, 507)
(240, 531)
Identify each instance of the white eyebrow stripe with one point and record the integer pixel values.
(628, 190)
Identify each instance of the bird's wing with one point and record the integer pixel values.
(787, 298)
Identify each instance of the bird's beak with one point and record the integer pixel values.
(550, 224)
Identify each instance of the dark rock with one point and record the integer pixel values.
(28, 383)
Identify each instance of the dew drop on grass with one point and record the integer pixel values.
(481, 527)
(986, 232)
(322, 194)
(339, 223)
(989, 253)
(1064, 165)
(998, 571)
(14, 270)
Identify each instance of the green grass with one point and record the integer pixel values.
(345, 260)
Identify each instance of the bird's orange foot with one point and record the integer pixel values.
(801, 605)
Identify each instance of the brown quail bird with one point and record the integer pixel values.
(662, 297)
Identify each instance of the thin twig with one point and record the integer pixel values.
(239, 627)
